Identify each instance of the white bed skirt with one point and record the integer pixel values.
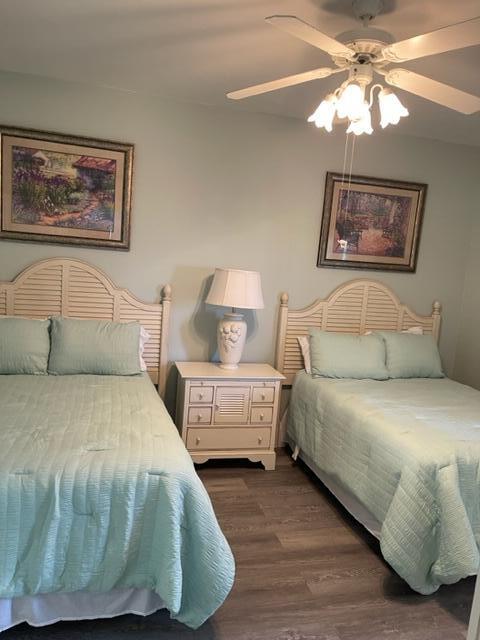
(81, 605)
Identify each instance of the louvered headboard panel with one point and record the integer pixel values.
(354, 307)
(75, 289)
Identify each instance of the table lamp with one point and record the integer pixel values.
(237, 289)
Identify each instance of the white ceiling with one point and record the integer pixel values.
(197, 50)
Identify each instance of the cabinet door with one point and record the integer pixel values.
(231, 405)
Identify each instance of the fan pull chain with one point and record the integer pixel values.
(352, 153)
(345, 152)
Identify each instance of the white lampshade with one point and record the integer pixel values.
(237, 289)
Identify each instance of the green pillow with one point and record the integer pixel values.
(98, 347)
(343, 355)
(24, 345)
(412, 356)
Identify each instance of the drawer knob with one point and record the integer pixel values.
(263, 396)
(197, 440)
(200, 396)
(260, 439)
(262, 416)
(199, 417)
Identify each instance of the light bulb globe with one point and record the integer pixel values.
(350, 103)
(391, 109)
(363, 124)
(325, 112)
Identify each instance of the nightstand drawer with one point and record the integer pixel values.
(261, 415)
(199, 415)
(263, 394)
(225, 439)
(201, 394)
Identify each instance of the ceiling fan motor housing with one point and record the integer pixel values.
(361, 73)
(367, 10)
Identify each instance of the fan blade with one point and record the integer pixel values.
(456, 36)
(300, 29)
(288, 81)
(432, 90)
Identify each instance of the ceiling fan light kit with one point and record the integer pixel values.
(348, 101)
(365, 57)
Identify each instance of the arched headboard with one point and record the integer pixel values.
(354, 307)
(76, 289)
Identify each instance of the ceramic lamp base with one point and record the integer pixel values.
(231, 334)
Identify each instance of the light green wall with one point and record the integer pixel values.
(216, 187)
(467, 361)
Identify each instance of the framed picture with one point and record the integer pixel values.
(66, 189)
(371, 223)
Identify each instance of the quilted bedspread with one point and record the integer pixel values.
(97, 492)
(409, 451)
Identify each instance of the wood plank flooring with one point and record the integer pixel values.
(305, 571)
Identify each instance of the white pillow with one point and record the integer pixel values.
(304, 342)
(418, 331)
(144, 338)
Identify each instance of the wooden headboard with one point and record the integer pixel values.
(76, 289)
(354, 307)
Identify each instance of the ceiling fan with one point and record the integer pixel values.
(365, 57)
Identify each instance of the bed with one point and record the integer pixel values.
(402, 455)
(101, 511)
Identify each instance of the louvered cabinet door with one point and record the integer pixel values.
(232, 405)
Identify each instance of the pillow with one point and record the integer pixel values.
(144, 338)
(24, 345)
(97, 347)
(416, 330)
(342, 355)
(304, 343)
(412, 356)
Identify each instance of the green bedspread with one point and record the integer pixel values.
(409, 451)
(97, 492)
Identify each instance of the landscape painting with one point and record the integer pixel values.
(57, 188)
(371, 223)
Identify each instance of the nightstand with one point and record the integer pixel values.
(224, 413)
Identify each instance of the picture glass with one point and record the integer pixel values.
(368, 224)
(64, 192)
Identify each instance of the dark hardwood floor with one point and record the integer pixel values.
(305, 571)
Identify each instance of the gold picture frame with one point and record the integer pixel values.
(57, 188)
(371, 223)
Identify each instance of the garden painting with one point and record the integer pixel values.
(62, 190)
(65, 192)
(371, 223)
